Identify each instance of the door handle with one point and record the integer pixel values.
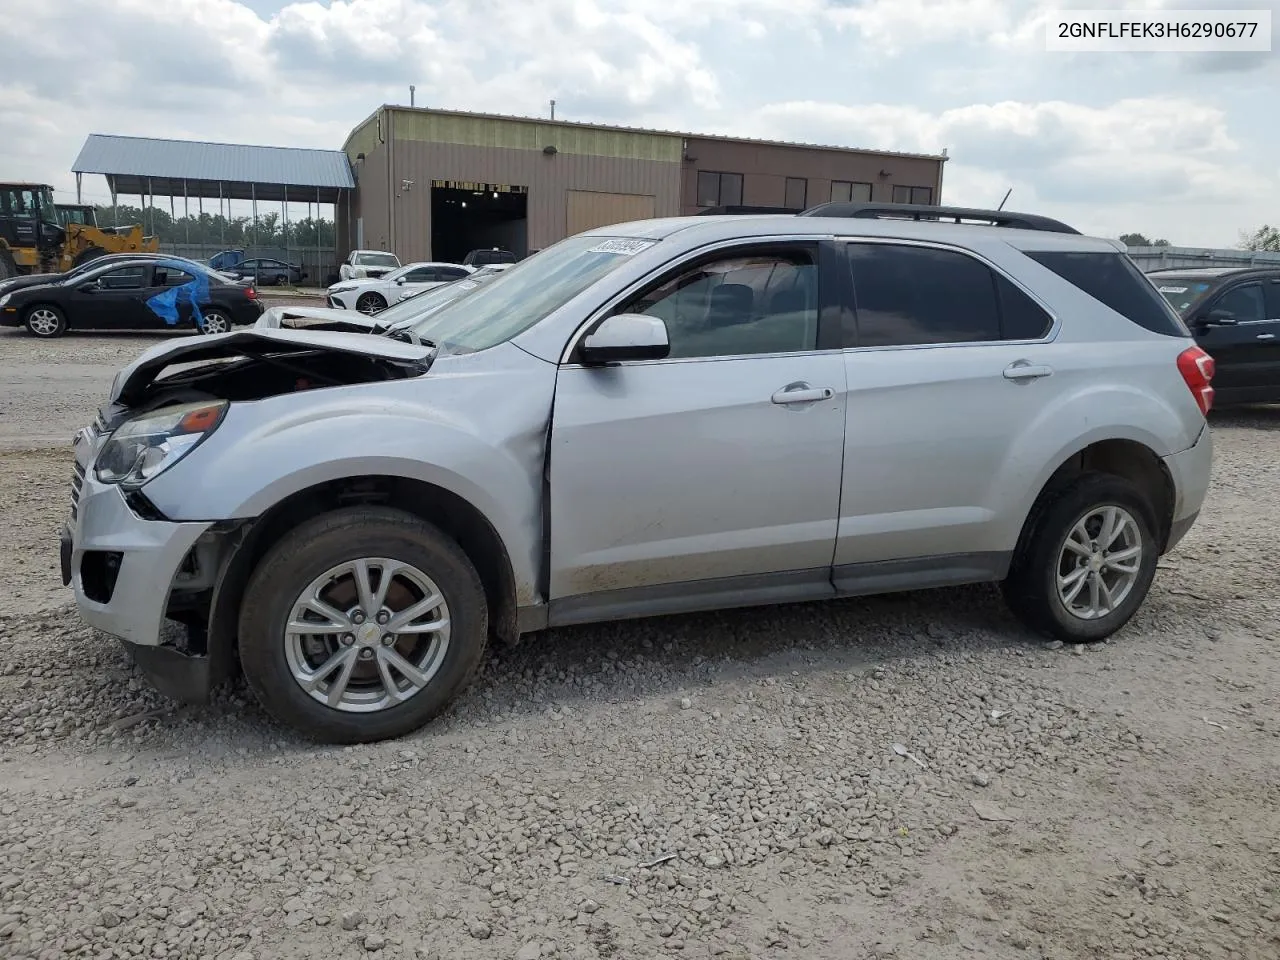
(1266, 336)
(1021, 370)
(802, 393)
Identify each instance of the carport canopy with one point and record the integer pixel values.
(187, 168)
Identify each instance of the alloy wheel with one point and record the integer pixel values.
(1099, 562)
(367, 634)
(215, 323)
(43, 322)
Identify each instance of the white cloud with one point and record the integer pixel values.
(1114, 143)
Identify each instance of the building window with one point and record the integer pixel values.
(797, 188)
(847, 191)
(719, 189)
(913, 195)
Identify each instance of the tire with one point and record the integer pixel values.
(8, 269)
(214, 321)
(45, 321)
(302, 564)
(90, 253)
(1032, 587)
(371, 303)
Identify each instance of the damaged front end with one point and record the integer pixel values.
(170, 588)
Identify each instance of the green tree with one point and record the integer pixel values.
(1265, 238)
(1139, 240)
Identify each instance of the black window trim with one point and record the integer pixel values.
(832, 300)
(850, 329)
(1216, 296)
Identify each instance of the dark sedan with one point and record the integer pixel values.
(38, 279)
(266, 272)
(132, 294)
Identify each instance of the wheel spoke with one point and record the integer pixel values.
(389, 656)
(1094, 597)
(389, 682)
(388, 572)
(1073, 578)
(1076, 547)
(339, 686)
(325, 669)
(1119, 525)
(1070, 596)
(364, 587)
(1105, 591)
(331, 616)
(400, 622)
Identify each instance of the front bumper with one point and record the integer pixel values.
(346, 300)
(1190, 471)
(144, 556)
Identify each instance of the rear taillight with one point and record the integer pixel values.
(1196, 368)
(251, 293)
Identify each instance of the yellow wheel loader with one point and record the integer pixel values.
(34, 238)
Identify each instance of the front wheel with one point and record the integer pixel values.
(361, 625)
(1088, 561)
(371, 303)
(46, 321)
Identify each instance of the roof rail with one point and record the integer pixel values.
(739, 208)
(913, 211)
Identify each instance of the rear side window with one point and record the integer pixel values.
(1112, 279)
(907, 295)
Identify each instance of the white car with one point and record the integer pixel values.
(371, 295)
(368, 263)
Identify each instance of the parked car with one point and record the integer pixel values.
(131, 293)
(1234, 314)
(396, 318)
(266, 272)
(648, 418)
(487, 255)
(226, 259)
(37, 279)
(372, 294)
(368, 263)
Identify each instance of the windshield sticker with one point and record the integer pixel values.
(1173, 289)
(196, 291)
(623, 248)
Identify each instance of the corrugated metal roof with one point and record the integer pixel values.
(662, 133)
(229, 162)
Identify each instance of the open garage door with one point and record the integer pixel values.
(466, 216)
(588, 209)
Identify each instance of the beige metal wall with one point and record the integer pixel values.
(586, 209)
(549, 179)
(765, 168)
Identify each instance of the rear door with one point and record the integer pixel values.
(170, 296)
(948, 364)
(1242, 352)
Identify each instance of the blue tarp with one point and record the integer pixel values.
(195, 292)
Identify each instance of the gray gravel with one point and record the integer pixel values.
(720, 785)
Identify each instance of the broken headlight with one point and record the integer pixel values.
(149, 444)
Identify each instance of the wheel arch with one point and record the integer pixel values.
(453, 514)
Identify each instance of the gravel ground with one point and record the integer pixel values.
(721, 785)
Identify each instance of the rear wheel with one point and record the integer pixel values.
(1088, 561)
(46, 321)
(361, 625)
(89, 253)
(214, 321)
(371, 303)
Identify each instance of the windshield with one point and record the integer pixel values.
(413, 306)
(1183, 293)
(377, 260)
(517, 298)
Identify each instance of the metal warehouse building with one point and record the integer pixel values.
(435, 184)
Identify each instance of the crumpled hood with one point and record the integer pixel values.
(302, 318)
(130, 382)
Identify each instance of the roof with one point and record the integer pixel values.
(200, 169)
(659, 133)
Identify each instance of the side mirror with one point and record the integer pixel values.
(1220, 318)
(91, 286)
(626, 336)
(399, 281)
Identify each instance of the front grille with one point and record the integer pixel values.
(77, 484)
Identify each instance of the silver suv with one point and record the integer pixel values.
(650, 418)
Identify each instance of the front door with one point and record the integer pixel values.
(1242, 352)
(710, 478)
(113, 299)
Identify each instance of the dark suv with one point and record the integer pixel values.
(1234, 314)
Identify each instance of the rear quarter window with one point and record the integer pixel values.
(1112, 279)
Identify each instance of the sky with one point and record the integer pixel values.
(1176, 146)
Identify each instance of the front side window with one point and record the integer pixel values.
(719, 189)
(519, 297)
(738, 305)
(909, 295)
(126, 278)
(1245, 303)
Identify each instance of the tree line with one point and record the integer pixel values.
(266, 230)
(1266, 239)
